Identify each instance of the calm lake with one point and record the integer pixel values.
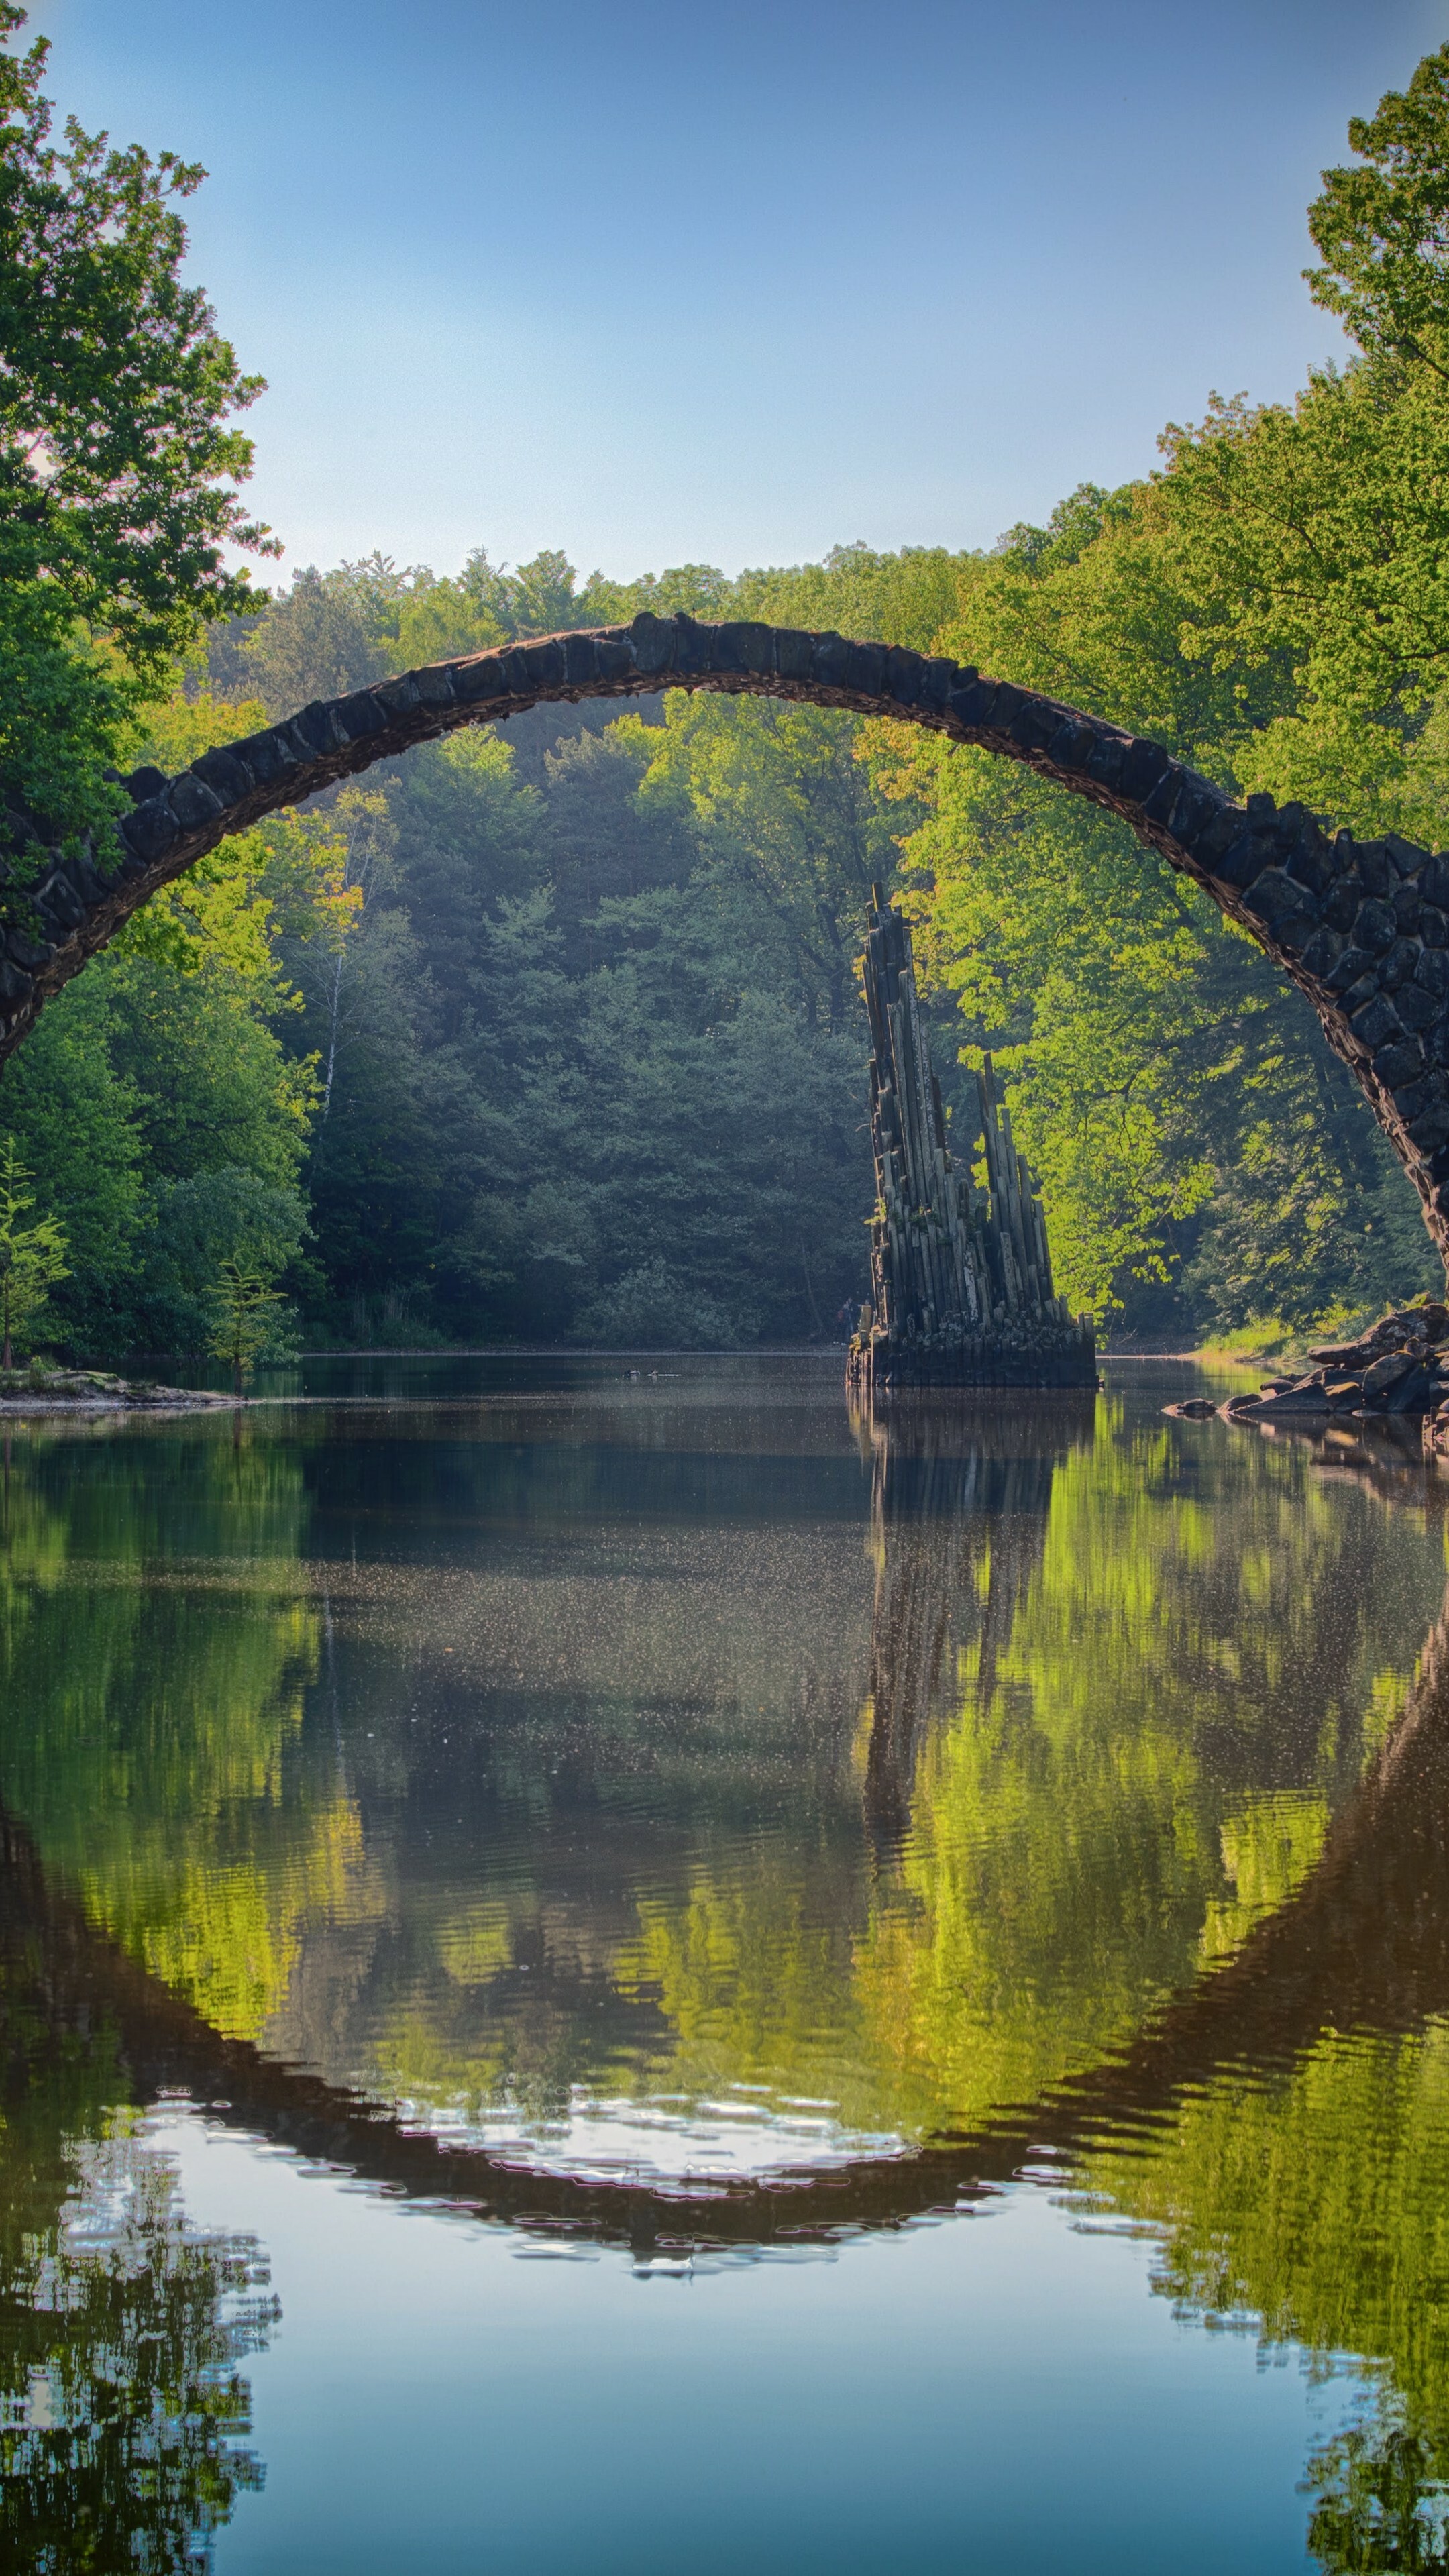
(630, 1974)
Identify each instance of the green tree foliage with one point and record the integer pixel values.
(1383, 228)
(32, 1257)
(117, 465)
(243, 1315)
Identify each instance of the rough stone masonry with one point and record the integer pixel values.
(1361, 927)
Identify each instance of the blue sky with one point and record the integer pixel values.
(733, 283)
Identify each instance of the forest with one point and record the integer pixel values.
(552, 1032)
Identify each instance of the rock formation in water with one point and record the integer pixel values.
(1398, 1369)
(961, 1277)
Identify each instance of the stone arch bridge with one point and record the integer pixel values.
(1361, 927)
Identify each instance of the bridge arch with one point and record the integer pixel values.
(1361, 927)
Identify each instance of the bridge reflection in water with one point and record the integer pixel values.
(1125, 1904)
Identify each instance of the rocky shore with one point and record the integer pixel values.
(60, 1390)
(1398, 1369)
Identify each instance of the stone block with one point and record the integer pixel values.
(476, 683)
(581, 654)
(1374, 927)
(150, 829)
(58, 903)
(1434, 882)
(903, 676)
(1324, 952)
(1278, 902)
(1353, 964)
(1218, 834)
(1033, 726)
(1430, 1129)
(1108, 758)
(546, 664)
(971, 704)
(193, 803)
(757, 648)
(513, 673)
(1006, 706)
(1341, 903)
(1243, 862)
(360, 716)
(1377, 873)
(1161, 806)
(830, 662)
(866, 664)
(1408, 857)
(1432, 971)
(87, 880)
(434, 684)
(1376, 1022)
(1144, 764)
(653, 639)
(1398, 1060)
(794, 653)
(227, 776)
(317, 728)
(1197, 807)
(1408, 905)
(1398, 963)
(1412, 1392)
(400, 696)
(1312, 861)
(16, 987)
(1070, 747)
(616, 659)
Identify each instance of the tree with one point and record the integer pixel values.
(118, 469)
(243, 1318)
(32, 1257)
(1383, 229)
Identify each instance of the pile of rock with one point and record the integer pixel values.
(1400, 1367)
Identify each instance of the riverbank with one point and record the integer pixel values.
(62, 1390)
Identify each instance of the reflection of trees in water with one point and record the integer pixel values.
(960, 1495)
(122, 2408)
(1379, 2500)
(1117, 1738)
(1285, 2116)
(123, 2411)
(156, 1646)
(1288, 2128)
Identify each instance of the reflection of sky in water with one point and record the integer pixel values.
(997, 2393)
(661, 2141)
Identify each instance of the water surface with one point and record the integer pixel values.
(622, 1971)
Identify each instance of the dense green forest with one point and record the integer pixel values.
(555, 1033)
